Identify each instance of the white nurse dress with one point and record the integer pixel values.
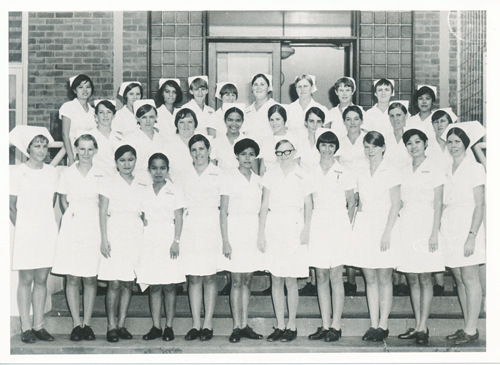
(81, 121)
(124, 122)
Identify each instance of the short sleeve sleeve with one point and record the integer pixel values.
(66, 110)
(393, 177)
(15, 180)
(104, 187)
(226, 184)
(438, 177)
(267, 180)
(349, 179)
(179, 198)
(477, 175)
(62, 186)
(307, 185)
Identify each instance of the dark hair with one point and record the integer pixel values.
(160, 99)
(375, 138)
(412, 132)
(352, 108)
(328, 137)
(130, 87)
(79, 80)
(245, 143)
(384, 82)
(229, 89)
(316, 111)
(39, 137)
(263, 76)
(198, 138)
(459, 132)
(86, 137)
(276, 108)
(120, 151)
(426, 90)
(197, 83)
(283, 141)
(108, 104)
(144, 109)
(397, 105)
(344, 80)
(158, 156)
(183, 113)
(438, 114)
(234, 110)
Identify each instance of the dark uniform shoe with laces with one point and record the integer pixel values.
(112, 336)
(369, 334)
(455, 335)
(332, 335)
(76, 334)
(123, 333)
(248, 332)
(88, 334)
(276, 335)
(408, 335)
(28, 336)
(289, 335)
(423, 337)
(43, 335)
(206, 334)
(168, 334)
(380, 335)
(192, 334)
(153, 334)
(319, 334)
(465, 338)
(235, 335)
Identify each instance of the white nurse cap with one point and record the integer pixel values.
(162, 81)
(220, 85)
(449, 111)
(320, 131)
(124, 85)
(313, 78)
(269, 77)
(390, 80)
(474, 130)
(22, 135)
(349, 78)
(290, 137)
(192, 78)
(433, 88)
(240, 106)
(406, 103)
(96, 102)
(142, 102)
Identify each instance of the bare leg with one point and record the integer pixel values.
(210, 298)
(235, 296)
(351, 274)
(426, 295)
(246, 292)
(372, 296)
(112, 302)
(195, 299)
(89, 292)
(470, 278)
(73, 297)
(415, 296)
(24, 297)
(337, 296)
(39, 296)
(323, 281)
(278, 294)
(462, 296)
(482, 278)
(155, 304)
(170, 293)
(439, 278)
(385, 295)
(293, 302)
(125, 297)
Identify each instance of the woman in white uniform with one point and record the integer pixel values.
(462, 225)
(77, 115)
(241, 194)
(107, 138)
(257, 122)
(305, 86)
(33, 186)
(284, 227)
(309, 155)
(201, 244)
(330, 233)
(425, 99)
(198, 89)
(125, 121)
(77, 252)
(160, 265)
(344, 87)
(396, 152)
(227, 92)
(377, 118)
(376, 235)
(120, 201)
(145, 139)
(421, 253)
(168, 98)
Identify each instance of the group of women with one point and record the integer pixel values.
(160, 193)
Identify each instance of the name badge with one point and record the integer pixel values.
(425, 172)
(213, 174)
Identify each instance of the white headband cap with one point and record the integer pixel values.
(96, 102)
(71, 79)
(22, 135)
(142, 102)
(124, 85)
(240, 106)
(349, 78)
(192, 78)
(406, 103)
(290, 137)
(313, 86)
(390, 80)
(433, 88)
(162, 81)
(220, 85)
(320, 131)
(270, 78)
(474, 130)
(449, 111)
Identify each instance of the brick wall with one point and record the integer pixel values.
(61, 45)
(135, 48)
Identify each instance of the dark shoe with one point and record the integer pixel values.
(423, 337)
(248, 332)
(43, 335)
(410, 334)
(369, 334)
(333, 335)
(112, 336)
(276, 335)
(76, 334)
(438, 290)
(309, 290)
(28, 336)
(289, 335)
(88, 334)
(179, 289)
(206, 334)
(123, 333)
(153, 334)
(465, 338)
(168, 334)
(193, 334)
(350, 289)
(226, 290)
(380, 335)
(235, 335)
(319, 334)
(455, 335)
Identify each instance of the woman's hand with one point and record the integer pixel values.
(174, 250)
(433, 243)
(226, 249)
(106, 249)
(261, 243)
(469, 246)
(304, 236)
(385, 242)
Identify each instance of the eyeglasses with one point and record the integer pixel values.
(285, 152)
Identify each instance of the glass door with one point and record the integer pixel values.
(15, 107)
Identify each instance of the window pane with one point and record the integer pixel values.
(318, 23)
(245, 23)
(12, 91)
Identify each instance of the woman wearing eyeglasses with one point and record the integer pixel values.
(284, 225)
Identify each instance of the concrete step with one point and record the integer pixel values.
(304, 348)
